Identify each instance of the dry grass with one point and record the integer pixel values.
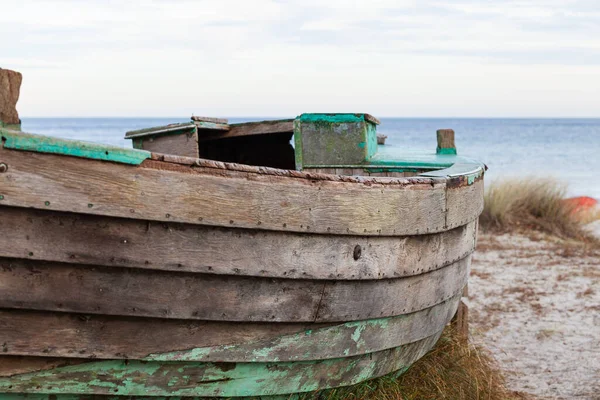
(453, 370)
(535, 204)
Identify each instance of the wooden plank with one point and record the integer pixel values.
(50, 334)
(462, 202)
(281, 126)
(161, 130)
(74, 148)
(45, 334)
(213, 196)
(98, 240)
(349, 339)
(374, 299)
(27, 284)
(141, 378)
(210, 119)
(184, 143)
(10, 88)
(211, 126)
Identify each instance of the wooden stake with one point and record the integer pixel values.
(445, 142)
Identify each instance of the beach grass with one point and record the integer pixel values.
(453, 369)
(538, 204)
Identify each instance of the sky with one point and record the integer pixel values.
(389, 58)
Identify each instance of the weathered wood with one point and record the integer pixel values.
(349, 339)
(205, 126)
(185, 143)
(51, 334)
(16, 365)
(28, 284)
(461, 319)
(210, 119)
(281, 126)
(140, 378)
(445, 141)
(333, 140)
(463, 201)
(161, 130)
(210, 196)
(10, 88)
(381, 139)
(84, 239)
(364, 171)
(45, 334)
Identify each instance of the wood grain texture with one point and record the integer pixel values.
(210, 119)
(48, 334)
(463, 201)
(138, 378)
(445, 141)
(345, 340)
(84, 239)
(170, 192)
(183, 144)
(252, 128)
(34, 285)
(52, 334)
(10, 88)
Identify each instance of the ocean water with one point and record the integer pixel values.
(566, 149)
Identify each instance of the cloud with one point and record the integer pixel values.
(279, 57)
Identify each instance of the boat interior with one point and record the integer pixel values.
(339, 144)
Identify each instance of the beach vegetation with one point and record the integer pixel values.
(536, 204)
(454, 369)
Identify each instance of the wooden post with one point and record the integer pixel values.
(10, 87)
(461, 318)
(445, 142)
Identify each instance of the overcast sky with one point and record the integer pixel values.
(281, 58)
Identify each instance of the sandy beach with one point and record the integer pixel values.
(535, 304)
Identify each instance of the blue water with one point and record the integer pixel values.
(568, 149)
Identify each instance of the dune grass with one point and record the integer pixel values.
(535, 204)
(455, 369)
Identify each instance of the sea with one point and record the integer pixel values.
(567, 149)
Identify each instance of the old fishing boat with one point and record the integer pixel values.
(218, 260)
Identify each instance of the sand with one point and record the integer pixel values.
(535, 304)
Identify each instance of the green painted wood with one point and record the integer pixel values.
(44, 144)
(325, 139)
(11, 127)
(349, 339)
(138, 378)
(211, 125)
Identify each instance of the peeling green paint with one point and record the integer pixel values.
(44, 144)
(331, 118)
(348, 339)
(140, 378)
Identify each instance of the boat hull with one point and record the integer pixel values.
(186, 277)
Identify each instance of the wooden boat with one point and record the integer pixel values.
(173, 269)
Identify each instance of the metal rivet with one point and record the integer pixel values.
(3, 168)
(47, 203)
(90, 205)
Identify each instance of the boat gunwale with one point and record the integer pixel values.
(22, 141)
